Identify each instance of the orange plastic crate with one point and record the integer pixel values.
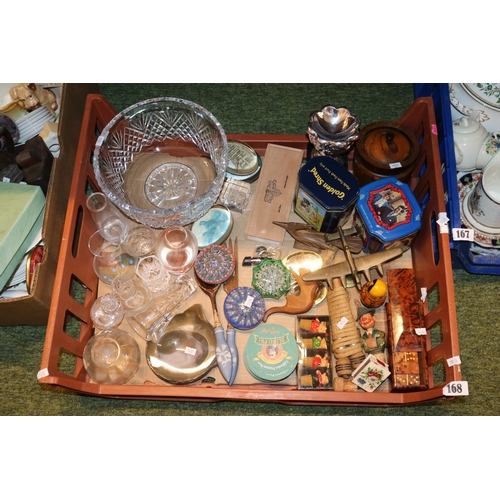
(431, 262)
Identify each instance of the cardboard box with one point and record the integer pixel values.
(21, 218)
(34, 308)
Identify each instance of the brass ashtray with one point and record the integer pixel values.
(305, 260)
(185, 349)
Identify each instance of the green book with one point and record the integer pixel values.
(21, 218)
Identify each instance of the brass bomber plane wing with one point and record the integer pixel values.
(353, 267)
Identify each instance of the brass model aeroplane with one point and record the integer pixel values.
(353, 266)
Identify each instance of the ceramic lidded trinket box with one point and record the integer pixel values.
(386, 215)
(326, 193)
(370, 374)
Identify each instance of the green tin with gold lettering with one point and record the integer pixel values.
(326, 193)
(271, 353)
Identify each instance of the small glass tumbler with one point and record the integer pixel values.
(133, 294)
(108, 219)
(153, 273)
(140, 241)
(107, 311)
(110, 259)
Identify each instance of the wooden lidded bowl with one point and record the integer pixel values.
(384, 149)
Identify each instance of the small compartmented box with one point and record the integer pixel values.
(387, 214)
(314, 367)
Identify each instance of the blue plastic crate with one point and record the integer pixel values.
(462, 255)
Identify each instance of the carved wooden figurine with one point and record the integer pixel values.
(31, 97)
(373, 340)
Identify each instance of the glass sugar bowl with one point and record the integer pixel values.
(111, 357)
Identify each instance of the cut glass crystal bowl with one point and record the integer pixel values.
(162, 161)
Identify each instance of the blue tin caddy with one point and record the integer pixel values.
(387, 214)
(326, 193)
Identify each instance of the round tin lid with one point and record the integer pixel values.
(271, 353)
(389, 209)
(244, 307)
(214, 227)
(214, 264)
(243, 161)
(387, 145)
(329, 183)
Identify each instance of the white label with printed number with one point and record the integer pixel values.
(456, 388)
(463, 234)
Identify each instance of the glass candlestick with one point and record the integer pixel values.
(149, 321)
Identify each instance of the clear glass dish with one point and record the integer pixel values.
(162, 161)
(112, 356)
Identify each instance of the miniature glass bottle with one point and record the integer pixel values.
(107, 311)
(134, 294)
